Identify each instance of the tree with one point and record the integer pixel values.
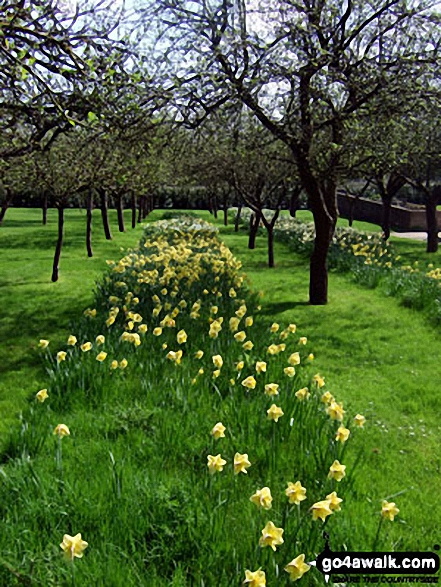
(303, 69)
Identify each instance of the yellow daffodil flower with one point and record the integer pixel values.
(218, 431)
(290, 371)
(123, 364)
(321, 510)
(110, 320)
(274, 327)
(274, 413)
(199, 354)
(303, 340)
(214, 309)
(281, 347)
(337, 471)
(240, 336)
(294, 359)
(114, 364)
(319, 380)
(72, 340)
(216, 373)
(342, 434)
(101, 356)
(234, 323)
(334, 501)
(284, 335)
(271, 536)
(335, 411)
(249, 382)
(157, 331)
(295, 493)
(217, 361)
(142, 328)
(232, 292)
(272, 389)
(215, 463)
(240, 313)
(255, 579)
(297, 568)
(100, 339)
(86, 347)
(73, 546)
(249, 321)
(327, 397)
(292, 328)
(273, 349)
(262, 498)
(61, 356)
(310, 357)
(241, 463)
(181, 337)
(248, 345)
(240, 365)
(302, 394)
(42, 395)
(62, 430)
(360, 420)
(389, 510)
(260, 367)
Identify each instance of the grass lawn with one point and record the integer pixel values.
(380, 359)
(32, 306)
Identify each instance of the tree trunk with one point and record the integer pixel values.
(133, 204)
(237, 219)
(254, 227)
(318, 281)
(293, 202)
(59, 242)
(352, 204)
(270, 230)
(145, 207)
(105, 214)
(89, 223)
(140, 208)
(3, 212)
(385, 223)
(214, 206)
(225, 214)
(44, 208)
(432, 223)
(120, 212)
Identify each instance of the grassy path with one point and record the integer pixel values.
(32, 307)
(383, 360)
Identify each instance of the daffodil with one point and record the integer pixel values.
(334, 501)
(234, 323)
(114, 364)
(240, 313)
(271, 536)
(319, 380)
(389, 510)
(100, 339)
(157, 331)
(249, 382)
(273, 349)
(260, 367)
(241, 463)
(360, 420)
(232, 292)
(255, 578)
(249, 321)
(218, 431)
(292, 328)
(274, 413)
(86, 347)
(297, 568)
(62, 430)
(101, 356)
(290, 371)
(215, 463)
(248, 345)
(327, 397)
(72, 340)
(217, 361)
(321, 509)
(240, 336)
(337, 471)
(42, 395)
(240, 365)
(199, 354)
(110, 320)
(43, 343)
(303, 340)
(342, 434)
(73, 546)
(123, 364)
(216, 373)
(335, 411)
(310, 357)
(262, 498)
(274, 327)
(295, 492)
(61, 356)
(272, 389)
(302, 394)
(181, 337)
(142, 328)
(294, 359)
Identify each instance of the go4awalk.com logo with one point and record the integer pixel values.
(411, 566)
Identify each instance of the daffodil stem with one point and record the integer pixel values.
(374, 545)
(73, 574)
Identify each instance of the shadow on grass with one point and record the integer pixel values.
(279, 307)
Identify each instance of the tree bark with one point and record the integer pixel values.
(237, 219)
(133, 204)
(44, 208)
(3, 212)
(89, 223)
(385, 222)
(254, 227)
(140, 208)
(120, 212)
(225, 214)
(105, 214)
(293, 202)
(432, 222)
(59, 242)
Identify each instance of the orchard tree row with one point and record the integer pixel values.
(252, 102)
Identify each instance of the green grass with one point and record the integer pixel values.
(32, 306)
(383, 360)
